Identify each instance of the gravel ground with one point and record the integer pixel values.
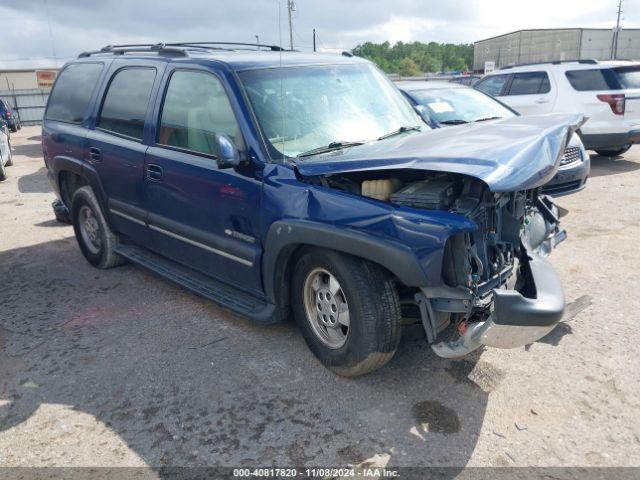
(122, 368)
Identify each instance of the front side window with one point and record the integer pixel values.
(125, 103)
(195, 109)
(303, 108)
(492, 85)
(530, 83)
(460, 105)
(70, 97)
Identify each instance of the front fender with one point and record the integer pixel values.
(413, 267)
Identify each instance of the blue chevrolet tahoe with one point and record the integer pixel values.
(279, 183)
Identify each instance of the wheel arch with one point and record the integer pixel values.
(286, 239)
(71, 174)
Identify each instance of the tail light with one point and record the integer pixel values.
(616, 102)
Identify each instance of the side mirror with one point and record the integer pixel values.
(228, 154)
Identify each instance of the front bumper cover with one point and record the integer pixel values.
(515, 319)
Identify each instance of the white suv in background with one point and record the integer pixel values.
(606, 92)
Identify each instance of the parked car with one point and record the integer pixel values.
(606, 92)
(445, 104)
(468, 80)
(6, 157)
(9, 115)
(272, 183)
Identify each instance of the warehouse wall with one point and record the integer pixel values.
(529, 46)
(20, 80)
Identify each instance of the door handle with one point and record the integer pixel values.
(154, 172)
(542, 100)
(94, 154)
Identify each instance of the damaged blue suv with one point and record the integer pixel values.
(279, 183)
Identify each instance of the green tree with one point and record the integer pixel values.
(426, 57)
(408, 68)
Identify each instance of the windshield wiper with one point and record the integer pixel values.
(457, 121)
(410, 128)
(328, 148)
(485, 119)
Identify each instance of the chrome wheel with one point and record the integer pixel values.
(90, 229)
(326, 308)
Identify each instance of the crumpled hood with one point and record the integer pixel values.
(509, 154)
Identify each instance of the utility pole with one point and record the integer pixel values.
(258, 41)
(616, 32)
(314, 39)
(291, 7)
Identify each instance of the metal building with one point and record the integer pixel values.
(27, 90)
(547, 45)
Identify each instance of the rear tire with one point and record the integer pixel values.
(615, 152)
(327, 285)
(95, 238)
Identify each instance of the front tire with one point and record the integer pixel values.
(3, 172)
(614, 152)
(348, 311)
(95, 238)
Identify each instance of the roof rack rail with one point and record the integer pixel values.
(589, 61)
(273, 48)
(137, 47)
(181, 49)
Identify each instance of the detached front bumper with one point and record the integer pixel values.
(517, 317)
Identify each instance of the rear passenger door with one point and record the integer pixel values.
(530, 93)
(115, 146)
(199, 215)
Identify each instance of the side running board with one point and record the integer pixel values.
(224, 295)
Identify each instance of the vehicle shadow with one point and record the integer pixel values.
(184, 383)
(31, 150)
(35, 182)
(601, 166)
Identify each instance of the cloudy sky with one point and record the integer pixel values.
(37, 31)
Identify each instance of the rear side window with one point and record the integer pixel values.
(629, 76)
(125, 103)
(69, 100)
(492, 85)
(196, 108)
(529, 83)
(592, 80)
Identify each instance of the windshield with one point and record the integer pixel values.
(451, 105)
(303, 108)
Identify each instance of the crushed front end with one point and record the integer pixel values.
(497, 288)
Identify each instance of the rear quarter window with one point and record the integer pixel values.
(69, 100)
(629, 77)
(592, 80)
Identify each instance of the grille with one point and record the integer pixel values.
(571, 154)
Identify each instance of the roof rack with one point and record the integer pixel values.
(588, 61)
(178, 49)
(273, 48)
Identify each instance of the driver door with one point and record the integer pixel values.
(202, 216)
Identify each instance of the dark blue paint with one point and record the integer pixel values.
(232, 209)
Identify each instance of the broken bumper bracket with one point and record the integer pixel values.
(516, 319)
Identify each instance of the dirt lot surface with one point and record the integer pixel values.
(120, 367)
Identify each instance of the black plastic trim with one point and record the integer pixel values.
(544, 304)
(395, 257)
